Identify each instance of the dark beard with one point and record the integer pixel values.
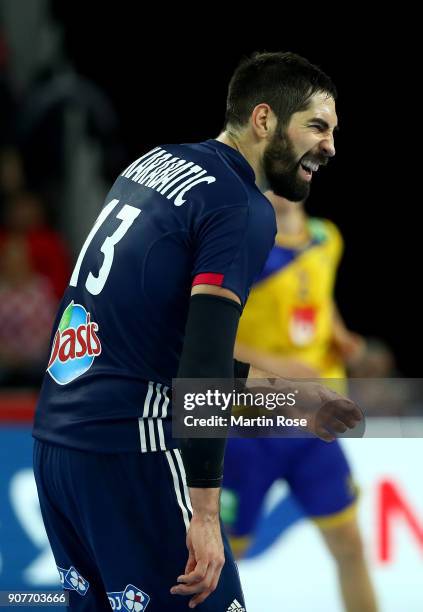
(281, 170)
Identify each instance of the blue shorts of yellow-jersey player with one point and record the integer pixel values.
(317, 473)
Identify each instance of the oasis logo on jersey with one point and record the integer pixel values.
(75, 345)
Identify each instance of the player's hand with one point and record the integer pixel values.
(205, 561)
(349, 346)
(327, 413)
(331, 413)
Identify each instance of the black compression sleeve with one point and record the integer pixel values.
(241, 369)
(207, 353)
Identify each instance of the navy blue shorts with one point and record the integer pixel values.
(117, 526)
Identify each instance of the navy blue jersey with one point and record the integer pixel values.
(178, 216)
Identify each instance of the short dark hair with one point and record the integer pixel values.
(286, 81)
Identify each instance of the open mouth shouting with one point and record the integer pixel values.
(307, 167)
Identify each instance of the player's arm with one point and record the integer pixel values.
(350, 345)
(229, 245)
(327, 412)
(207, 353)
(264, 365)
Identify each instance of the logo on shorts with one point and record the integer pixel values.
(236, 607)
(75, 345)
(72, 580)
(131, 599)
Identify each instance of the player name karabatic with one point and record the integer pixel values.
(167, 174)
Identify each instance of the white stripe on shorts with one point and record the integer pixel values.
(177, 486)
(183, 478)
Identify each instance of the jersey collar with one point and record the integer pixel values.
(235, 157)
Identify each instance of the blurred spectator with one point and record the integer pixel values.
(7, 99)
(61, 110)
(25, 216)
(27, 309)
(12, 178)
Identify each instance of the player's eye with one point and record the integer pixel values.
(318, 127)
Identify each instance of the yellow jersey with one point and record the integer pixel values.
(289, 312)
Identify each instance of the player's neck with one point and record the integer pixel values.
(248, 149)
(292, 221)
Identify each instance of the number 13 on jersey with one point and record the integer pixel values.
(127, 214)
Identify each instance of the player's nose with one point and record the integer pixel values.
(327, 146)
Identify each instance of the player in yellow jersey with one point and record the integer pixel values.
(291, 321)
(291, 327)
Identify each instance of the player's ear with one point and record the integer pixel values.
(263, 121)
